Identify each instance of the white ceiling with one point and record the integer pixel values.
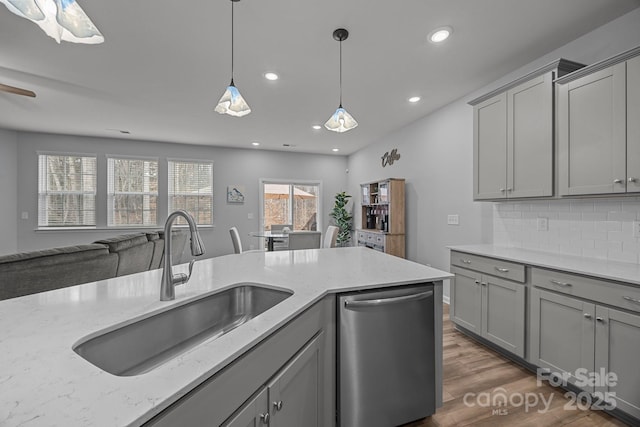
(164, 65)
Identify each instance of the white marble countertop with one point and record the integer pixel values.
(600, 268)
(43, 382)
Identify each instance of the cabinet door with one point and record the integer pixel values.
(562, 333)
(633, 125)
(617, 338)
(530, 138)
(503, 313)
(254, 413)
(294, 395)
(466, 298)
(592, 155)
(490, 148)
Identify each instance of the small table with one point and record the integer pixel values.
(270, 236)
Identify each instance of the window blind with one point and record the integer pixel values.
(66, 190)
(191, 189)
(132, 192)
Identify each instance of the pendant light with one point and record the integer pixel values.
(62, 20)
(232, 103)
(341, 120)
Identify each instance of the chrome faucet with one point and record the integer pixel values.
(169, 280)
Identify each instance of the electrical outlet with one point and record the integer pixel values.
(453, 220)
(543, 224)
(24, 215)
(250, 215)
(636, 228)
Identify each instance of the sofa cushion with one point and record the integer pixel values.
(158, 249)
(45, 270)
(134, 251)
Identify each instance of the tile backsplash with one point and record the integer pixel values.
(597, 228)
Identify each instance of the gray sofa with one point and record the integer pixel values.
(39, 271)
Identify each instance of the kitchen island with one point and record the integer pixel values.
(43, 382)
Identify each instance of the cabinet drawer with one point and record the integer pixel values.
(598, 290)
(495, 267)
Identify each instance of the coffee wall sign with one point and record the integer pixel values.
(389, 157)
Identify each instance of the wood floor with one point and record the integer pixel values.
(470, 367)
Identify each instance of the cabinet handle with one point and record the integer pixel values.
(477, 282)
(483, 283)
(502, 190)
(617, 181)
(265, 418)
(502, 270)
(278, 405)
(600, 319)
(632, 179)
(465, 261)
(637, 301)
(559, 283)
(509, 190)
(587, 315)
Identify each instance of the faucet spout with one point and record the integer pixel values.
(169, 280)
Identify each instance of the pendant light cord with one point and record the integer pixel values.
(340, 73)
(232, 42)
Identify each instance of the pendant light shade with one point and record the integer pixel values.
(60, 19)
(341, 120)
(232, 103)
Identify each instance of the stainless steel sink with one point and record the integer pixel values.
(139, 347)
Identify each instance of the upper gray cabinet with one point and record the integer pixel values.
(599, 129)
(513, 134)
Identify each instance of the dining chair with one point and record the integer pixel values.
(235, 239)
(304, 240)
(330, 237)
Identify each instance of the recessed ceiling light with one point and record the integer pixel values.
(317, 127)
(255, 143)
(440, 34)
(335, 149)
(271, 76)
(414, 99)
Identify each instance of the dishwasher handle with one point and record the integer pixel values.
(385, 301)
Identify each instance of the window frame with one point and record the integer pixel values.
(44, 192)
(171, 193)
(111, 193)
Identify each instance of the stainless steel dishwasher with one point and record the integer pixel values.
(386, 359)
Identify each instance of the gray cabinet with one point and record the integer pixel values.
(561, 333)
(513, 129)
(572, 335)
(292, 398)
(598, 130)
(616, 351)
(633, 125)
(489, 306)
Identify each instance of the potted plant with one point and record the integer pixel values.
(342, 218)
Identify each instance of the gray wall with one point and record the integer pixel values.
(8, 190)
(231, 166)
(437, 155)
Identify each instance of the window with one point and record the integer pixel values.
(291, 203)
(66, 190)
(132, 191)
(191, 189)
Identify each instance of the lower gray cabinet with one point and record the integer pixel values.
(291, 398)
(616, 352)
(579, 339)
(491, 307)
(561, 333)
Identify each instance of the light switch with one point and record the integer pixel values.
(453, 220)
(250, 215)
(24, 215)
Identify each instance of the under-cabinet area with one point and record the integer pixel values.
(581, 329)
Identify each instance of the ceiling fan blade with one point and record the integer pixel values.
(17, 90)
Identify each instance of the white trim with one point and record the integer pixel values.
(445, 299)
